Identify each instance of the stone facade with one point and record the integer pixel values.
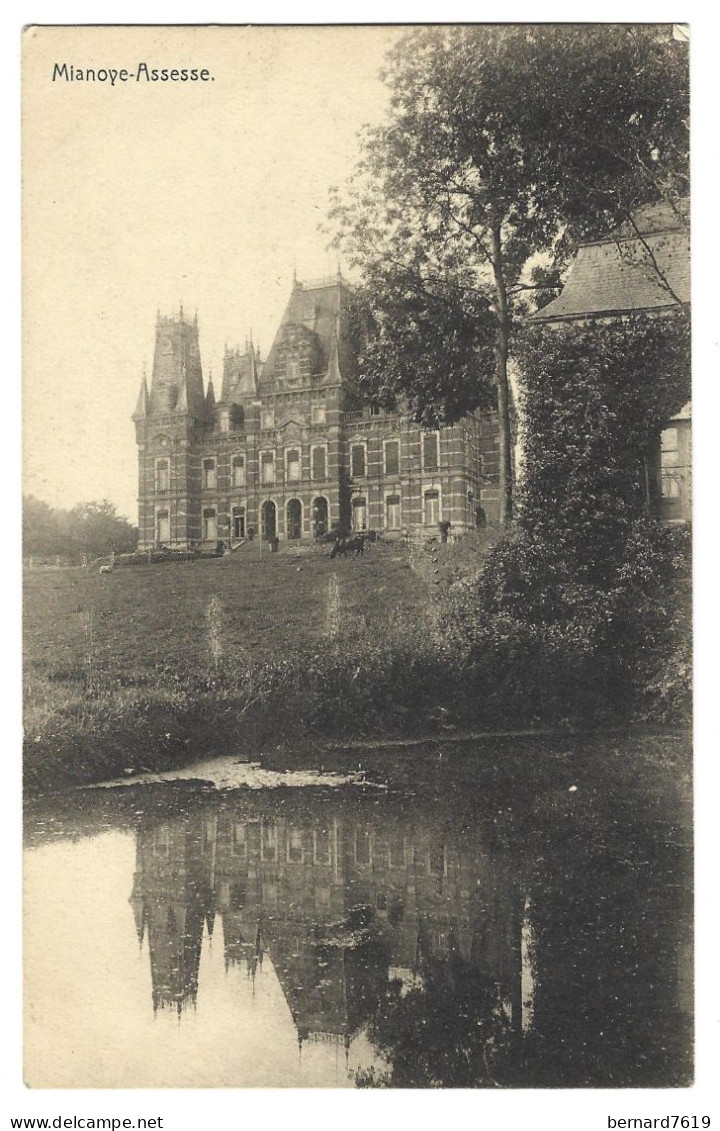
(289, 449)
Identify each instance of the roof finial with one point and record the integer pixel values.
(339, 272)
(181, 310)
(295, 277)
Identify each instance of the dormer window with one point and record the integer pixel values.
(237, 417)
(318, 414)
(268, 418)
(293, 367)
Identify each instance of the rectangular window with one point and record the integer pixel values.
(318, 414)
(359, 515)
(238, 471)
(239, 840)
(392, 457)
(432, 508)
(163, 526)
(319, 464)
(267, 467)
(209, 474)
(430, 450)
(669, 461)
(322, 851)
(238, 522)
(161, 840)
(295, 851)
(357, 461)
(292, 457)
(268, 842)
(162, 475)
(268, 418)
(363, 847)
(392, 512)
(396, 852)
(209, 525)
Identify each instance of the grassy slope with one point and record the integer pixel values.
(140, 621)
(152, 665)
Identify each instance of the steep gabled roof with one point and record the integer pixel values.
(318, 308)
(625, 273)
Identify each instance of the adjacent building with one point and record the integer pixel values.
(289, 448)
(642, 267)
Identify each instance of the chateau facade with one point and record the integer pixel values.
(289, 449)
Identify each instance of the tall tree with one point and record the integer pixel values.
(501, 145)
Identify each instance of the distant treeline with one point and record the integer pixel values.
(93, 529)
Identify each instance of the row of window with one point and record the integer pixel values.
(393, 511)
(303, 845)
(293, 464)
(393, 517)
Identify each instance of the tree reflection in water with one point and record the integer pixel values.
(448, 1030)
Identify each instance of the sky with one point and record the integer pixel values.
(139, 196)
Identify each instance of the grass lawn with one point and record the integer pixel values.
(156, 664)
(141, 621)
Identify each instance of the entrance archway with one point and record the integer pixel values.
(268, 520)
(320, 516)
(294, 519)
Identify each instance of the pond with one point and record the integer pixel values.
(510, 912)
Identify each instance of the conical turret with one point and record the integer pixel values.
(143, 402)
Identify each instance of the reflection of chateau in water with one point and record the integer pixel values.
(340, 902)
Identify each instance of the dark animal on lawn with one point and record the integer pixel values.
(345, 546)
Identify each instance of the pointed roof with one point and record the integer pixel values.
(143, 402)
(316, 308)
(210, 396)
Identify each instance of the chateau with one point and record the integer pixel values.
(290, 449)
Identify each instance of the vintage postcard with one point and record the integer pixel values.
(356, 544)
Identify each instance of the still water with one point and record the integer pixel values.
(508, 913)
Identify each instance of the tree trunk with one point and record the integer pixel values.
(505, 481)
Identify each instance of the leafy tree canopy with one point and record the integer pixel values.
(92, 528)
(502, 146)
